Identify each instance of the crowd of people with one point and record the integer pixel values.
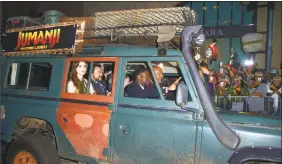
(247, 81)
(243, 81)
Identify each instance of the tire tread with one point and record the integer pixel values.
(44, 147)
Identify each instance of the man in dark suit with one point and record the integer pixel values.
(167, 91)
(138, 88)
(100, 86)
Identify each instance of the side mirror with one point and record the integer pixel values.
(182, 95)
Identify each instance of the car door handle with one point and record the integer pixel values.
(124, 129)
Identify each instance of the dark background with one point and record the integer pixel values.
(36, 9)
(71, 9)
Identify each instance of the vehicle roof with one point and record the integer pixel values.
(116, 50)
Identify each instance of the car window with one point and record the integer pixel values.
(78, 77)
(139, 81)
(102, 78)
(94, 78)
(31, 76)
(40, 76)
(169, 75)
(18, 74)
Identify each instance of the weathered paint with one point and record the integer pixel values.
(249, 135)
(34, 104)
(91, 122)
(159, 131)
(249, 119)
(86, 127)
(18, 103)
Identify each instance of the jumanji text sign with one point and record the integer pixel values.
(40, 40)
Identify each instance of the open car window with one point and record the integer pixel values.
(167, 76)
(139, 82)
(171, 76)
(91, 78)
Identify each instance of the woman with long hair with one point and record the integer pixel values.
(77, 83)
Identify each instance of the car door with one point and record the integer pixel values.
(153, 130)
(83, 115)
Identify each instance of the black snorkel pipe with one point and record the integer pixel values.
(222, 132)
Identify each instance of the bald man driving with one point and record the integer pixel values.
(168, 92)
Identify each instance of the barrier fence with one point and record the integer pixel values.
(260, 105)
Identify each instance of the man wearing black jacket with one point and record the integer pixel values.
(167, 91)
(139, 87)
(99, 85)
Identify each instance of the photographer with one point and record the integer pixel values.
(258, 86)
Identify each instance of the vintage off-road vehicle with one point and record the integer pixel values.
(47, 113)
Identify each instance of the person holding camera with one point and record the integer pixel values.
(258, 86)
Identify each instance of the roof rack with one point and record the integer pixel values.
(133, 27)
(142, 22)
(136, 27)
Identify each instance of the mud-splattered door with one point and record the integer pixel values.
(83, 113)
(151, 130)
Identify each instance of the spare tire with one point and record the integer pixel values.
(32, 149)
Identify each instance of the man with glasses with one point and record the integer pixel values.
(97, 81)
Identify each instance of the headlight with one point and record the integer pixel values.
(2, 112)
(198, 58)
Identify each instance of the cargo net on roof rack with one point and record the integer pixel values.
(141, 22)
(136, 27)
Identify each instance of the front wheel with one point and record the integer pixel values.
(32, 149)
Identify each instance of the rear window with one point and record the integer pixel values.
(29, 76)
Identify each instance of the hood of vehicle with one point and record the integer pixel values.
(244, 118)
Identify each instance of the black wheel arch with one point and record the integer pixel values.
(38, 146)
(33, 125)
(256, 153)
